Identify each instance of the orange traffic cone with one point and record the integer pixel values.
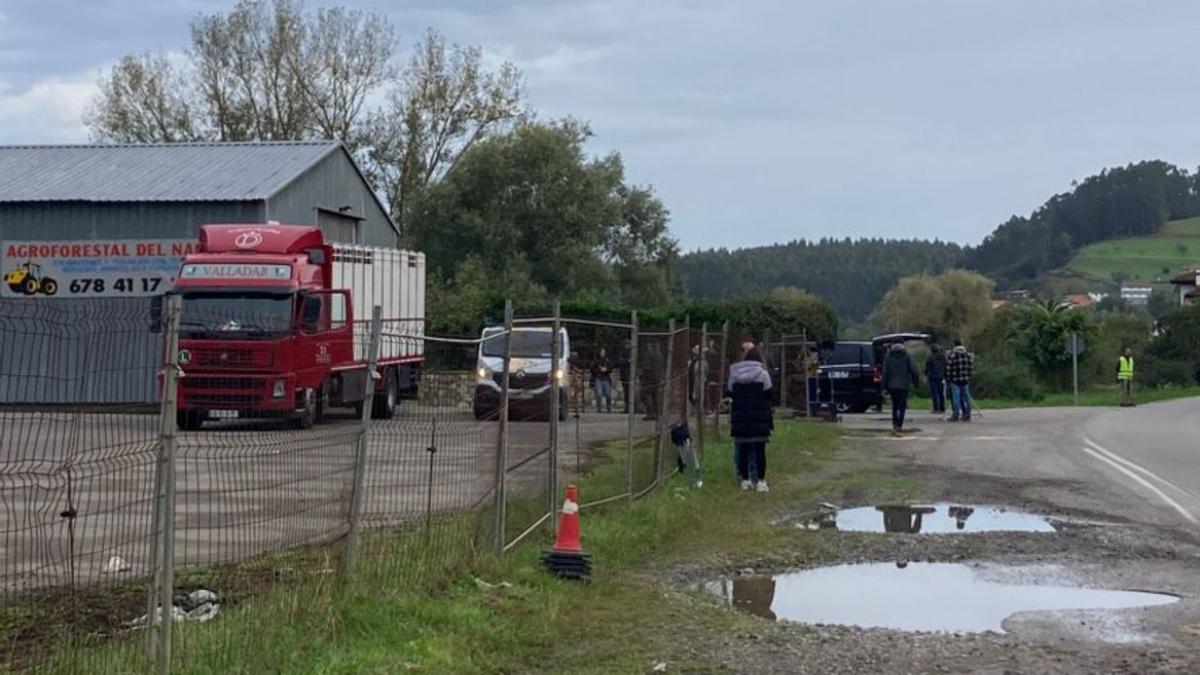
(567, 559)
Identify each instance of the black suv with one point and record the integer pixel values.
(854, 370)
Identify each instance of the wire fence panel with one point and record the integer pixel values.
(77, 453)
(280, 477)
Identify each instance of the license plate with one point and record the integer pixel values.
(839, 375)
(224, 414)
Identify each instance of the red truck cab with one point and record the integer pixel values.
(262, 333)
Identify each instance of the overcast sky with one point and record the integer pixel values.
(759, 121)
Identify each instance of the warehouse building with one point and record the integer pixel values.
(89, 232)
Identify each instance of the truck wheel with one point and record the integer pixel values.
(189, 420)
(384, 405)
(49, 286)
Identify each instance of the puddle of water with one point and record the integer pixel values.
(932, 518)
(932, 597)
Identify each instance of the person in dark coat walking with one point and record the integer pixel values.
(751, 420)
(935, 375)
(601, 369)
(899, 375)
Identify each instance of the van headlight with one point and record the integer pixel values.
(483, 372)
(280, 388)
(559, 374)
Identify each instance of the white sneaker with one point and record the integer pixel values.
(761, 486)
(745, 485)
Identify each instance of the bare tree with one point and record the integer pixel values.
(344, 57)
(143, 100)
(443, 103)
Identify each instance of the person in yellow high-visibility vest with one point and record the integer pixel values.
(1125, 377)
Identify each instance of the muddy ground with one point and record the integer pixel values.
(1109, 536)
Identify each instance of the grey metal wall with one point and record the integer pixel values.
(95, 350)
(37, 221)
(331, 184)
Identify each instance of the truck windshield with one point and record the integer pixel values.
(526, 344)
(250, 315)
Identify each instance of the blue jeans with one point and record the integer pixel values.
(937, 391)
(750, 461)
(603, 389)
(960, 400)
(751, 466)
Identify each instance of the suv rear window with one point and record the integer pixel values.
(843, 354)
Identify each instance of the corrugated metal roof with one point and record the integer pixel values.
(154, 172)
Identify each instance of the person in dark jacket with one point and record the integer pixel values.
(601, 369)
(935, 375)
(899, 375)
(750, 418)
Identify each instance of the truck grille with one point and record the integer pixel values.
(223, 400)
(221, 383)
(233, 358)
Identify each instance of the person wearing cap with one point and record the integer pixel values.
(899, 375)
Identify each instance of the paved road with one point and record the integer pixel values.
(1155, 447)
(1144, 460)
(78, 488)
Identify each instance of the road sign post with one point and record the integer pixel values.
(1075, 346)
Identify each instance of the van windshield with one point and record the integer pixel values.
(526, 344)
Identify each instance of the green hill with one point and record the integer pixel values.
(1152, 258)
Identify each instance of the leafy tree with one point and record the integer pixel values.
(1039, 333)
(532, 199)
(957, 304)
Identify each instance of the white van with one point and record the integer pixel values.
(529, 373)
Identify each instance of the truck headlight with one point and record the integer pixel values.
(280, 388)
(483, 372)
(559, 374)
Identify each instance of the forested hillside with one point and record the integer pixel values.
(1123, 202)
(853, 275)
(850, 274)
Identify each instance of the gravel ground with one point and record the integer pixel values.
(1108, 537)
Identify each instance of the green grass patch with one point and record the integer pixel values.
(1152, 258)
(487, 614)
(1095, 397)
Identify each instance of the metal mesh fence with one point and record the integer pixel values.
(218, 476)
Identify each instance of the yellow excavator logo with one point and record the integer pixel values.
(28, 280)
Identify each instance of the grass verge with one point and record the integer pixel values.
(506, 614)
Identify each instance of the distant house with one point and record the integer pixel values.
(1136, 293)
(1078, 300)
(1188, 283)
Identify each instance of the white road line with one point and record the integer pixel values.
(1140, 469)
(1143, 482)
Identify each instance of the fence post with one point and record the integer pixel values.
(631, 400)
(702, 376)
(502, 441)
(360, 445)
(555, 388)
(783, 363)
(163, 550)
(721, 384)
(663, 406)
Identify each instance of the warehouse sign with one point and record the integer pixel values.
(92, 268)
